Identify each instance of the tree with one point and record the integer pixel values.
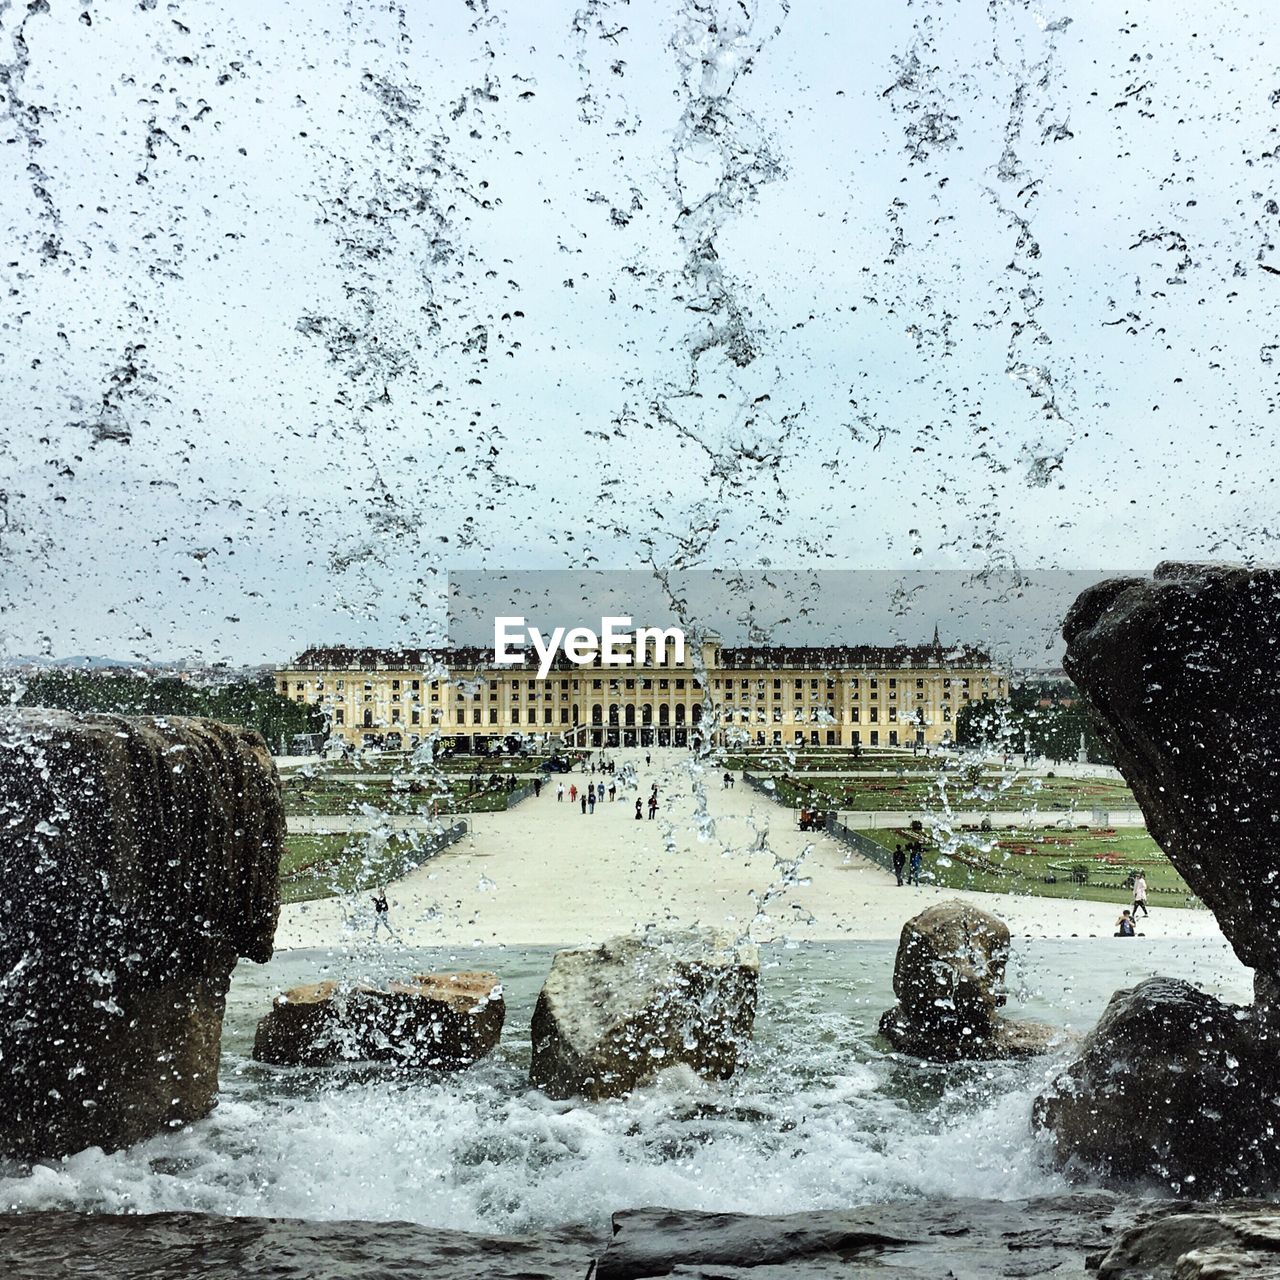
(1020, 722)
(250, 705)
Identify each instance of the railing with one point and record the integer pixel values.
(520, 793)
(435, 843)
(855, 840)
(859, 843)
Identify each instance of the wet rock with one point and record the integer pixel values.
(949, 980)
(1170, 1086)
(1223, 1242)
(180, 1246)
(1184, 671)
(139, 861)
(444, 1021)
(610, 1017)
(965, 1239)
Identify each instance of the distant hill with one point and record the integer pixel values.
(79, 662)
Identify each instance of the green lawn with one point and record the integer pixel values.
(328, 796)
(960, 794)
(1022, 861)
(788, 759)
(395, 763)
(324, 866)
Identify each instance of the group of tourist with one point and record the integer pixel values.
(597, 792)
(494, 782)
(909, 860)
(587, 799)
(1126, 926)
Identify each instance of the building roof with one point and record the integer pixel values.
(858, 655)
(758, 657)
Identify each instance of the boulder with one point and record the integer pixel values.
(140, 860)
(610, 1017)
(1220, 1242)
(444, 1021)
(1183, 670)
(1170, 1087)
(908, 1240)
(949, 980)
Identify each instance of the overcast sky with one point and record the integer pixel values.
(306, 304)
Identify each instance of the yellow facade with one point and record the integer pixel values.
(769, 696)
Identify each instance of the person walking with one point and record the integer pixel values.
(582, 800)
(591, 801)
(537, 787)
(653, 804)
(637, 808)
(1140, 895)
(560, 791)
(917, 862)
(613, 790)
(646, 759)
(381, 914)
(899, 862)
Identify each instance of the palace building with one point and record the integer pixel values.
(766, 696)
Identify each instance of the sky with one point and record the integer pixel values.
(308, 304)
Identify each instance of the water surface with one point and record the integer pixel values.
(823, 1117)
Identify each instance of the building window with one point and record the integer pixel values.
(339, 716)
(493, 715)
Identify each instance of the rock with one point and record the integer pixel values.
(915, 1240)
(610, 1017)
(949, 980)
(139, 861)
(1184, 672)
(920, 1239)
(1222, 1242)
(444, 1020)
(184, 1246)
(1169, 1087)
